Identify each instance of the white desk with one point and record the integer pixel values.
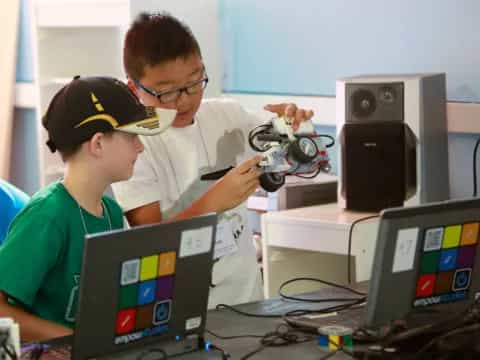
(313, 242)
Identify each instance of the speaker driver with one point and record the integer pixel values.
(363, 103)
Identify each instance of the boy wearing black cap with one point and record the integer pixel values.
(93, 123)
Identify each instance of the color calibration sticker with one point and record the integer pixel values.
(446, 264)
(145, 297)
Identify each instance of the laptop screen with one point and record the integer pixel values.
(144, 285)
(426, 257)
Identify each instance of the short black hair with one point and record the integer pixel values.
(154, 38)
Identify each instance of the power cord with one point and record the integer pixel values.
(349, 252)
(283, 335)
(332, 284)
(222, 337)
(475, 149)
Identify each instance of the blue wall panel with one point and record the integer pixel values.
(301, 47)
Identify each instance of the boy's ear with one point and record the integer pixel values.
(132, 87)
(96, 144)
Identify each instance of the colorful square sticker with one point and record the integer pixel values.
(128, 296)
(146, 292)
(429, 262)
(144, 317)
(469, 234)
(161, 312)
(166, 263)
(149, 267)
(451, 236)
(448, 260)
(466, 256)
(433, 239)
(165, 287)
(444, 282)
(461, 279)
(425, 285)
(125, 321)
(130, 272)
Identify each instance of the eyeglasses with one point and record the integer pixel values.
(169, 96)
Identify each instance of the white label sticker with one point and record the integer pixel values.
(130, 272)
(193, 323)
(433, 239)
(196, 241)
(405, 249)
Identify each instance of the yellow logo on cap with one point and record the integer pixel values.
(97, 103)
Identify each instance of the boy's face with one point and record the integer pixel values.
(172, 75)
(120, 152)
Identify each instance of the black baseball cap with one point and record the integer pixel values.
(88, 105)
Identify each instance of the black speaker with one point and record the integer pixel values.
(376, 150)
(373, 171)
(394, 145)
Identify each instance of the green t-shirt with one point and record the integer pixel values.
(41, 257)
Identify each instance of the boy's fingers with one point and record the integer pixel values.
(248, 164)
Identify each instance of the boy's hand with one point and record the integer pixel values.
(290, 111)
(235, 187)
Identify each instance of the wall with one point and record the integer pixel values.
(24, 165)
(203, 19)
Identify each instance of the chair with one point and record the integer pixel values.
(12, 200)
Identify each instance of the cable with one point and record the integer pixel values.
(254, 133)
(283, 335)
(475, 149)
(331, 143)
(209, 346)
(309, 176)
(244, 313)
(318, 300)
(221, 337)
(349, 253)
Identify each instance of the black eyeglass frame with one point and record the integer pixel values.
(186, 88)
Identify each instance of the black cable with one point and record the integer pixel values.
(309, 176)
(349, 252)
(331, 143)
(254, 133)
(244, 313)
(332, 284)
(222, 337)
(475, 149)
(210, 346)
(283, 335)
(143, 354)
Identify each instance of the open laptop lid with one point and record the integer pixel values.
(144, 285)
(425, 256)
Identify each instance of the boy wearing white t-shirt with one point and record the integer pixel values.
(163, 62)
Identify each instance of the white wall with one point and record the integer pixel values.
(202, 17)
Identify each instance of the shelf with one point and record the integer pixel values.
(82, 13)
(463, 118)
(25, 95)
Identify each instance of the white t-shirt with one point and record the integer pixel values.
(169, 171)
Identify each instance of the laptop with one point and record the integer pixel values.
(426, 266)
(144, 289)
